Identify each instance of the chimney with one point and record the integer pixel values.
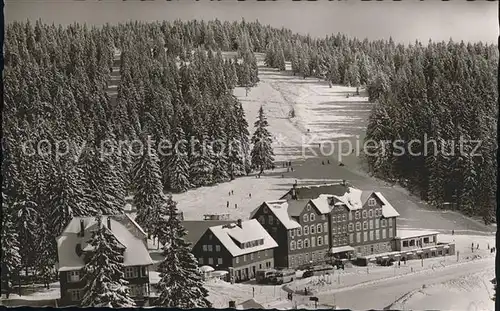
(238, 222)
(294, 192)
(82, 228)
(343, 182)
(109, 223)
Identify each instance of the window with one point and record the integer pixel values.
(292, 233)
(244, 258)
(217, 248)
(320, 241)
(384, 234)
(334, 230)
(312, 217)
(210, 237)
(364, 214)
(219, 261)
(306, 230)
(306, 243)
(265, 252)
(73, 276)
(344, 228)
(358, 226)
(210, 261)
(299, 231)
(350, 216)
(210, 248)
(391, 235)
(371, 235)
(351, 238)
(205, 248)
(299, 244)
(292, 245)
(371, 224)
(270, 219)
(334, 241)
(426, 240)
(405, 243)
(237, 259)
(351, 227)
(325, 227)
(325, 239)
(371, 202)
(323, 217)
(377, 212)
(200, 260)
(251, 256)
(358, 237)
(377, 234)
(262, 220)
(319, 228)
(265, 210)
(370, 213)
(313, 242)
(75, 294)
(365, 236)
(344, 217)
(306, 218)
(377, 223)
(383, 223)
(130, 272)
(334, 218)
(365, 225)
(313, 229)
(357, 214)
(308, 207)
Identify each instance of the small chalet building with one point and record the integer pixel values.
(421, 244)
(73, 251)
(241, 248)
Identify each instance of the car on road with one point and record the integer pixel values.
(283, 276)
(264, 276)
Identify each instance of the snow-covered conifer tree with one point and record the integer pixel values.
(104, 272)
(201, 169)
(181, 285)
(262, 152)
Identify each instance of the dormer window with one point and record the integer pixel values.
(357, 215)
(306, 218)
(312, 217)
(372, 202)
(308, 207)
(265, 210)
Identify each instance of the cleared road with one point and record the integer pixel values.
(383, 293)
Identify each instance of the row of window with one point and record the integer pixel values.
(368, 214)
(130, 273)
(299, 259)
(417, 242)
(373, 235)
(210, 261)
(313, 229)
(306, 243)
(135, 290)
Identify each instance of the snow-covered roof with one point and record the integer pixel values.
(387, 209)
(322, 203)
(351, 198)
(250, 230)
(313, 191)
(280, 210)
(135, 254)
(406, 234)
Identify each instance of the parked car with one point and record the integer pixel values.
(264, 276)
(283, 276)
(319, 270)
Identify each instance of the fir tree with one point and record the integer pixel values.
(181, 285)
(148, 189)
(104, 273)
(11, 259)
(262, 153)
(201, 169)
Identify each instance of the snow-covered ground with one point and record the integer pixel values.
(471, 292)
(321, 113)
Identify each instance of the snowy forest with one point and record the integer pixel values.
(442, 91)
(176, 84)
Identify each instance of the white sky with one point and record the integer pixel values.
(405, 21)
